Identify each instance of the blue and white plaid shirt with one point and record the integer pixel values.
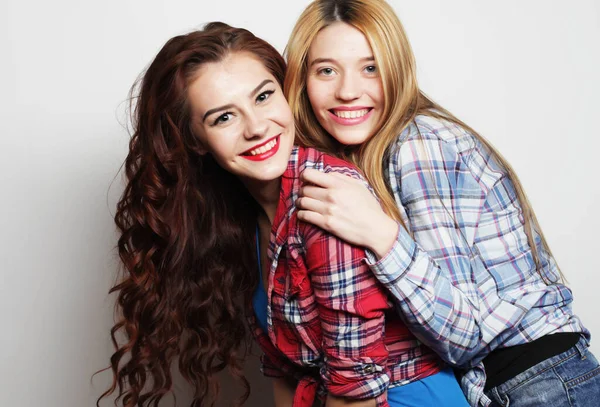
(466, 280)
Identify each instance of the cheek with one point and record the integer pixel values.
(377, 92)
(317, 92)
(283, 115)
(221, 145)
(217, 153)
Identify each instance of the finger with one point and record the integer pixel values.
(318, 178)
(314, 218)
(327, 179)
(312, 205)
(311, 191)
(344, 177)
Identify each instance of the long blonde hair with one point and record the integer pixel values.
(403, 100)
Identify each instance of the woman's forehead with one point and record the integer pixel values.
(340, 41)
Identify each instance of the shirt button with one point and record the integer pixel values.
(368, 369)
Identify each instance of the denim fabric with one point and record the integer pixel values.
(571, 379)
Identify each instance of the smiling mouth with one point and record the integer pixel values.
(350, 114)
(263, 148)
(351, 117)
(263, 151)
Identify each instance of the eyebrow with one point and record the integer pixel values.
(215, 110)
(331, 60)
(255, 90)
(229, 106)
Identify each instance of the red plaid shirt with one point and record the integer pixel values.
(330, 324)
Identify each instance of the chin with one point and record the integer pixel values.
(351, 139)
(273, 171)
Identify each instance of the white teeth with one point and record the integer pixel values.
(264, 149)
(351, 114)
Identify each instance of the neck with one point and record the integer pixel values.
(266, 194)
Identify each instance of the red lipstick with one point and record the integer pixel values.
(262, 156)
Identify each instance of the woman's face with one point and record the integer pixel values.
(242, 117)
(343, 84)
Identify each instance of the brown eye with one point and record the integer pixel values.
(225, 117)
(264, 96)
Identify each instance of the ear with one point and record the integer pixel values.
(203, 151)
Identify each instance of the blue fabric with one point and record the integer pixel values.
(438, 390)
(259, 299)
(569, 379)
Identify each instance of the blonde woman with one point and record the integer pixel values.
(456, 242)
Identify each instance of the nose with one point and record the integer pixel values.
(256, 126)
(348, 88)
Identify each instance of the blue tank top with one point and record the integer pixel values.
(259, 299)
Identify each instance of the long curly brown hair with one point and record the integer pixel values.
(187, 243)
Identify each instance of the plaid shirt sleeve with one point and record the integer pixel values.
(351, 307)
(448, 301)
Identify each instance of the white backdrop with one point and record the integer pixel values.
(524, 74)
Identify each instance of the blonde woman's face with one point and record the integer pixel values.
(242, 118)
(343, 84)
